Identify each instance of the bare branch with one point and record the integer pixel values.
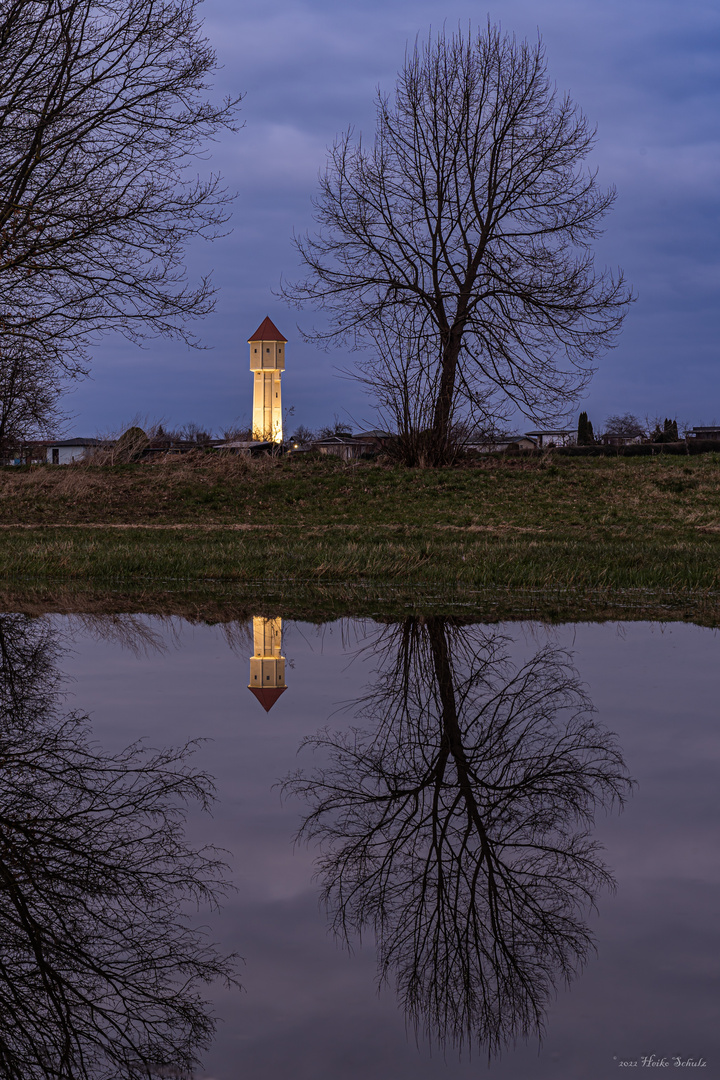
(458, 245)
(103, 115)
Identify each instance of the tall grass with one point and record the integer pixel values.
(570, 523)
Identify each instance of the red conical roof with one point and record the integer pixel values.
(267, 695)
(267, 331)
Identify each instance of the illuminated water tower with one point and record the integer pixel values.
(267, 362)
(267, 666)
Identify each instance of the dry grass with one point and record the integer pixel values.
(577, 523)
(575, 496)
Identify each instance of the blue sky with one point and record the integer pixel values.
(647, 72)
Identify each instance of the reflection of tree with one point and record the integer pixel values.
(455, 823)
(100, 968)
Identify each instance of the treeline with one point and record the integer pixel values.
(628, 426)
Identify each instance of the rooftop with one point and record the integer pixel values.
(267, 331)
(73, 442)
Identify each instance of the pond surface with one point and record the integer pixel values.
(517, 826)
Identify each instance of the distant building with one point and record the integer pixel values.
(65, 451)
(347, 446)
(552, 437)
(343, 445)
(267, 362)
(490, 445)
(712, 433)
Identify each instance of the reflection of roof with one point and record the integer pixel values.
(267, 331)
(267, 695)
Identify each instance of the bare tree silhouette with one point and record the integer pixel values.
(457, 245)
(456, 825)
(101, 969)
(106, 108)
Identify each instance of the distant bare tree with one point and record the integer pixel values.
(237, 432)
(626, 425)
(101, 969)
(458, 245)
(338, 427)
(189, 432)
(192, 432)
(303, 435)
(456, 824)
(103, 113)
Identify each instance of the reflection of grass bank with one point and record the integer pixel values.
(530, 524)
(319, 603)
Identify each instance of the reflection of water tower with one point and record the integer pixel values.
(267, 666)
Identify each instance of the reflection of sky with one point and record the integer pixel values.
(310, 1011)
(645, 72)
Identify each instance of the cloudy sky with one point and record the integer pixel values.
(647, 72)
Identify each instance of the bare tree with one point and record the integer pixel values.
(457, 825)
(405, 388)
(29, 394)
(103, 113)
(338, 427)
(196, 433)
(458, 245)
(101, 969)
(303, 435)
(627, 425)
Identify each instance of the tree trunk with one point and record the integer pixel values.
(438, 450)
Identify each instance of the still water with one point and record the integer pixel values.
(455, 850)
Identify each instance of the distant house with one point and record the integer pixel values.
(502, 443)
(347, 446)
(65, 451)
(553, 437)
(343, 445)
(712, 433)
(373, 441)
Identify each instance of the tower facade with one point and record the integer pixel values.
(267, 363)
(267, 666)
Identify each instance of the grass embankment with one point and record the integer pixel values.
(538, 524)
